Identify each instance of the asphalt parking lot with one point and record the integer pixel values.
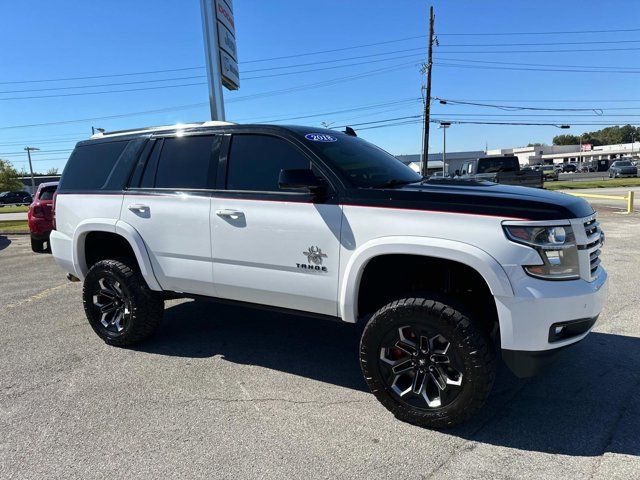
(227, 392)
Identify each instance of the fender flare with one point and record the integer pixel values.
(469, 255)
(122, 229)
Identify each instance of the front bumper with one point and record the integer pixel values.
(527, 317)
(524, 363)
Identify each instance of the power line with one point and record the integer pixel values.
(41, 152)
(536, 64)
(556, 70)
(191, 77)
(536, 44)
(93, 77)
(103, 84)
(446, 101)
(318, 52)
(549, 51)
(554, 100)
(327, 82)
(202, 67)
(108, 117)
(568, 32)
(335, 112)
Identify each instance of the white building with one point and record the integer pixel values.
(569, 153)
(536, 154)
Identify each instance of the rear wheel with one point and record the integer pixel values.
(119, 305)
(37, 245)
(426, 362)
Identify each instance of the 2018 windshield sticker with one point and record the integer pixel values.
(320, 137)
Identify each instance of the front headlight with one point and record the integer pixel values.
(556, 246)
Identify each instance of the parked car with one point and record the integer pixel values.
(40, 216)
(15, 198)
(441, 273)
(622, 168)
(569, 168)
(505, 170)
(549, 172)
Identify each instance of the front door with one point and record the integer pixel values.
(273, 246)
(169, 204)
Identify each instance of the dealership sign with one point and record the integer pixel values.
(227, 50)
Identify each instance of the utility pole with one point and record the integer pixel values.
(427, 100)
(33, 181)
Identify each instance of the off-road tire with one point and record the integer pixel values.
(37, 245)
(473, 349)
(145, 306)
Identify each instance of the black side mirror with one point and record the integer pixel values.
(300, 179)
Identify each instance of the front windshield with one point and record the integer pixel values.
(364, 164)
(623, 164)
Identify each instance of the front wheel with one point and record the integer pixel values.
(426, 362)
(119, 305)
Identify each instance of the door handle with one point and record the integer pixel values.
(137, 207)
(232, 214)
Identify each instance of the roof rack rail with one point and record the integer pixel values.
(210, 123)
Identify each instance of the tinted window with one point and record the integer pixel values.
(184, 162)
(498, 164)
(623, 164)
(363, 163)
(46, 193)
(90, 165)
(255, 162)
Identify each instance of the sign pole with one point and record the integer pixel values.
(211, 47)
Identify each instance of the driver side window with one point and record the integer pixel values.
(255, 162)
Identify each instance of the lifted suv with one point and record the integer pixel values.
(439, 272)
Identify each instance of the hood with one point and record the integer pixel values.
(476, 198)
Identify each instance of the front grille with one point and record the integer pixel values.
(593, 237)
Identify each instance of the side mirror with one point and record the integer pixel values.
(300, 179)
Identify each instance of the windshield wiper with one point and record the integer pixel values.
(393, 183)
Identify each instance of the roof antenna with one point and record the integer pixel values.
(350, 131)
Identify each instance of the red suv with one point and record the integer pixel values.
(41, 215)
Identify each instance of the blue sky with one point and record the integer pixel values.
(43, 40)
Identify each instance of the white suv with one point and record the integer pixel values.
(440, 272)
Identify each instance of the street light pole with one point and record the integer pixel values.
(444, 126)
(33, 181)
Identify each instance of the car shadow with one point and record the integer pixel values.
(585, 404)
(4, 242)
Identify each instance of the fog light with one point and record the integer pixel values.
(558, 330)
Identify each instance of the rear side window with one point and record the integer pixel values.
(255, 162)
(46, 193)
(90, 165)
(184, 162)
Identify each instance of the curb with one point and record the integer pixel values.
(4, 234)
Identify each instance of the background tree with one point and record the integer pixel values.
(52, 171)
(606, 136)
(8, 177)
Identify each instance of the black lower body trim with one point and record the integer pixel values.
(256, 306)
(524, 363)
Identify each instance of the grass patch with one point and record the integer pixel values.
(14, 226)
(615, 182)
(13, 209)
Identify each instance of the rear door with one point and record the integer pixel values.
(273, 246)
(168, 202)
